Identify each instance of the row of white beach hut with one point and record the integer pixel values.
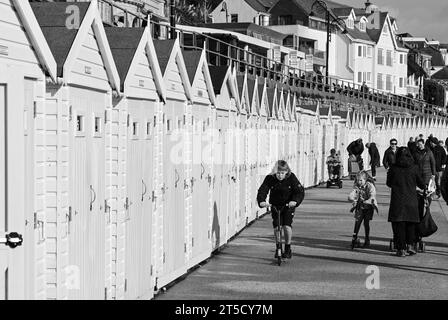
(125, 161)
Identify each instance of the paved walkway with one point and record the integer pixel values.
(323, 265)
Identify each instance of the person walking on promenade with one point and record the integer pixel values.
(374, 158)
(364, 201)
(424, 159)
(412, 145)
(403, 178)
(355, 149)
(389, 154)
(440, 160)
(284, 190)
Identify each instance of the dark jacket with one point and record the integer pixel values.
(403, 177)
(388, 158)
(280, 192)
(444, 185)
(439, 157)
(356, 148)
(374, 155)
(426, 163)
(412, 147)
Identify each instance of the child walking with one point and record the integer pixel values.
(364, 201)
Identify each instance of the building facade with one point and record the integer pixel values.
(363, 46)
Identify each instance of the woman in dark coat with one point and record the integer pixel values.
(403, 178)
(374, 157)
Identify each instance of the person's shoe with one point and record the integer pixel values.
(419, 246)
(401, 253)
(366, 243)
(411, 251)
(287, 254)
(354, 242)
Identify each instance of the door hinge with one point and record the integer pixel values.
(70, 113)
(126, 204)
(36, 225)
(105, 116)
(105, 293)
(151, 270)
(192, 242)
(35, 110)
(153, 196)
(164, 257)
(185, 247)
(129, 120)
(125, 284)
(209, 234)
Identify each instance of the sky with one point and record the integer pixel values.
(421, 18)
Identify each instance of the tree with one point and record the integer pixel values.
(192, 12)
(434, 93)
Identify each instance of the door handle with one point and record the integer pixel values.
(144, 186)
(12, 240)
(177, 178)
(203, 170)
(94, 197)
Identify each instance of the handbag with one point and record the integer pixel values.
(427, 226)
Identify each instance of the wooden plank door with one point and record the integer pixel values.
(4, 250)
(148, 196)
(33, 226)
(134, 201)
(174, 219)
(87, 183)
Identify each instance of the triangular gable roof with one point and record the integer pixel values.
(125, 44)
(263, 97)
(282, 113)
(192, 59)
(293, 106)
(271, 94)
(37, 38)
(344, 115)
(354, 119)
(163, 50)
(221, 76)
(168, 52)
(241, 81)
(196, 64)
(66, 44)
(252, 88)
(380, 122)
(288, 101)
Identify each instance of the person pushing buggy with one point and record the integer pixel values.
(334, 169)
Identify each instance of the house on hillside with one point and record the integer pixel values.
(363, 46)
(236, 11)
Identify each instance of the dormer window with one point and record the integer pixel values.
(350, 23)
(362, 25)
(385, 29)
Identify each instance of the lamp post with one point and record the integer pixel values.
(333, 19)
(421, 80)
(224, 9)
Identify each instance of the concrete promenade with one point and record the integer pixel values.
(323, 265)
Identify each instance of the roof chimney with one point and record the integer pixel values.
(367, 3)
